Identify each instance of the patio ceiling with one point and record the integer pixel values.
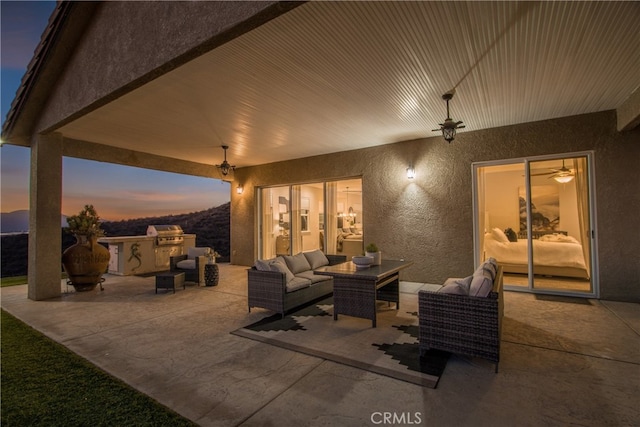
(334, 76)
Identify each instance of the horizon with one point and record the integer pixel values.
(117, 192)
(124, 219)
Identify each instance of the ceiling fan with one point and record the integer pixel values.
(562, 175)
(449, 127)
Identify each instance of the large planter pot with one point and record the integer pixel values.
(85, 262)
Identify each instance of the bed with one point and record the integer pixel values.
(554, 254)
(349, 243)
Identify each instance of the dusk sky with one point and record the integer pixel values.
(117, 192)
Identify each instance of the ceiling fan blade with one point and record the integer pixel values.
(436, 130)
(460, 127)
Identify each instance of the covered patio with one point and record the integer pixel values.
(177, 348)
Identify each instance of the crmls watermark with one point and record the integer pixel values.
(396, 418)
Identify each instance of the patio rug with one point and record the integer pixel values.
(390, 349)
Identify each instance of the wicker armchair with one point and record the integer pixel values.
(191, 264)
(466, 325)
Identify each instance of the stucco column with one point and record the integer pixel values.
(45, 203)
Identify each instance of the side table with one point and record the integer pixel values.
(211, 274)
(169, 280)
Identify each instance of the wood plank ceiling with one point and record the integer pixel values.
(335, 76)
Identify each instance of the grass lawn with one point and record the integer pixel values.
(45, 384)
(11, 281)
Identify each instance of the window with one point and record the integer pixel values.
(304, 217)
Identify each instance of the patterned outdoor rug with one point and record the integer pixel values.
(390, 349)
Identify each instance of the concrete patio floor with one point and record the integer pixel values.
(564, 361)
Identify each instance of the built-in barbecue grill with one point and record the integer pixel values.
(166, 234)
(169, 241)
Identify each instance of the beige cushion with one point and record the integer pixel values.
(263, 265)
(194, 252)
(456, 286)
(280, 266)
(298, 283)
(297, 263)
(481, 284)
(316, 259)
(186, 264)
(314, 278)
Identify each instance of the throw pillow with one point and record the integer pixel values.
(456, 286)
(282, 268)
(511, 235)
(316, 259)
(481, 284)
(263, 265)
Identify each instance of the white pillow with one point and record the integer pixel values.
(499, 235)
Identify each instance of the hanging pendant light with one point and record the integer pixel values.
(225, 167)
(449, 127)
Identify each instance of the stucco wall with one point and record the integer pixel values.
(128, 44)
(429, 220)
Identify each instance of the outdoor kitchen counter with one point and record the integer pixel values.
(140, 254)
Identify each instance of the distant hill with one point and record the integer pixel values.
(211, 227)
(18, 221)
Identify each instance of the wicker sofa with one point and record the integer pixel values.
(465, 315)
(286, 282)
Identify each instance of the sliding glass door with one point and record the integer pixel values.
(303, 217)
(534, 216)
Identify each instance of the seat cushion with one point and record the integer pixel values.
(194, 252)
(297, 263)
(186, 264)
(298, 283)
(316, 259)
(314, 278)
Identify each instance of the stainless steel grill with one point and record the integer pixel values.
(166, 234)
(169, 241)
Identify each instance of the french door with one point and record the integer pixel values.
(534, 216)
(303, 217)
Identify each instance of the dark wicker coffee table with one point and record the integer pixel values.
(355, 291)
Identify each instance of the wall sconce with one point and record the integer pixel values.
(411, 172)
(239, 189)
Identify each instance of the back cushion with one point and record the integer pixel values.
(194, 252)
(297, 263)
(481, 284)
(316, 259)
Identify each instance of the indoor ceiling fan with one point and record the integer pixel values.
(562, 175)
(449, 127)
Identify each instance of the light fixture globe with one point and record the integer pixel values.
(225, 167)
(449, 127)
